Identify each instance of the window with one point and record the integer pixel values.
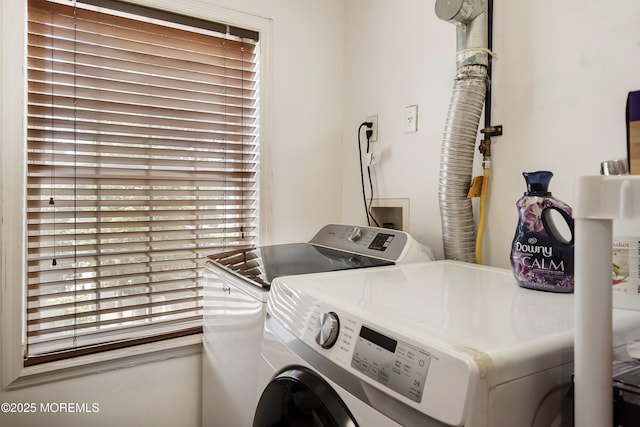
(142, 153)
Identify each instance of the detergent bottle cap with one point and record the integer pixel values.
(537, 183)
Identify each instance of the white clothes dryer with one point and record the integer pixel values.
(237, 284)
(443, 343)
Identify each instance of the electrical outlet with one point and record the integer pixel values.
(411, 118)
(374, 128)
(373, 158)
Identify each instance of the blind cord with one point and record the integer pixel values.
(75, 179)
(52, 198)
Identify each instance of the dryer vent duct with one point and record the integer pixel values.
(461, 127)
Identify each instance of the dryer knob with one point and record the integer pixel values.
(354, 234)
(329, 329)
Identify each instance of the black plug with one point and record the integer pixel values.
(368, 124)
(369, 132)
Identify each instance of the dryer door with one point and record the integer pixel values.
(299, 397)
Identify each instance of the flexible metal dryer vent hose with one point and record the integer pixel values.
(461, 127)
(456, 157)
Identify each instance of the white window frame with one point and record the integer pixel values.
(13, 19)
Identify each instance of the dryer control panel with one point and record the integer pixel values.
(339, 324)
(433, 380)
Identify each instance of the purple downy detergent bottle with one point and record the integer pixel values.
(541, 258)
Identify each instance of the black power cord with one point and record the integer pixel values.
(368, 133)
(367, 206)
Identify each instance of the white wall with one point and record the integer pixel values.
(165, 393)
(397, 54)
(559, 89)
(305, 145)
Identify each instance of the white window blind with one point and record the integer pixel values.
(142, 159)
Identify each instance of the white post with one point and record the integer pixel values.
(593, 324)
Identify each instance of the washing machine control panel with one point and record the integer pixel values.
(387, 244)
(392, 363)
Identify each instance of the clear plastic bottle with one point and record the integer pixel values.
(541, 257)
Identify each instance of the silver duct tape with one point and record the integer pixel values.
(472, 61)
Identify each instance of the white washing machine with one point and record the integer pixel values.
(428, 344)
(235, 295)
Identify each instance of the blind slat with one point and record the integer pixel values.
(79, 325)
(40, 105)
(97, 76)
(64, 31)
(205, 102)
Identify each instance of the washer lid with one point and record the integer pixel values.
(262, 264)
(335, 247)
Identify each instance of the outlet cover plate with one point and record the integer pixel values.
(411, 118)
(374, 128)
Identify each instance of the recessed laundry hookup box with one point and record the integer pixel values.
(633, 132)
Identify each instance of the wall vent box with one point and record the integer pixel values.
(391, 213)
(633, 132)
